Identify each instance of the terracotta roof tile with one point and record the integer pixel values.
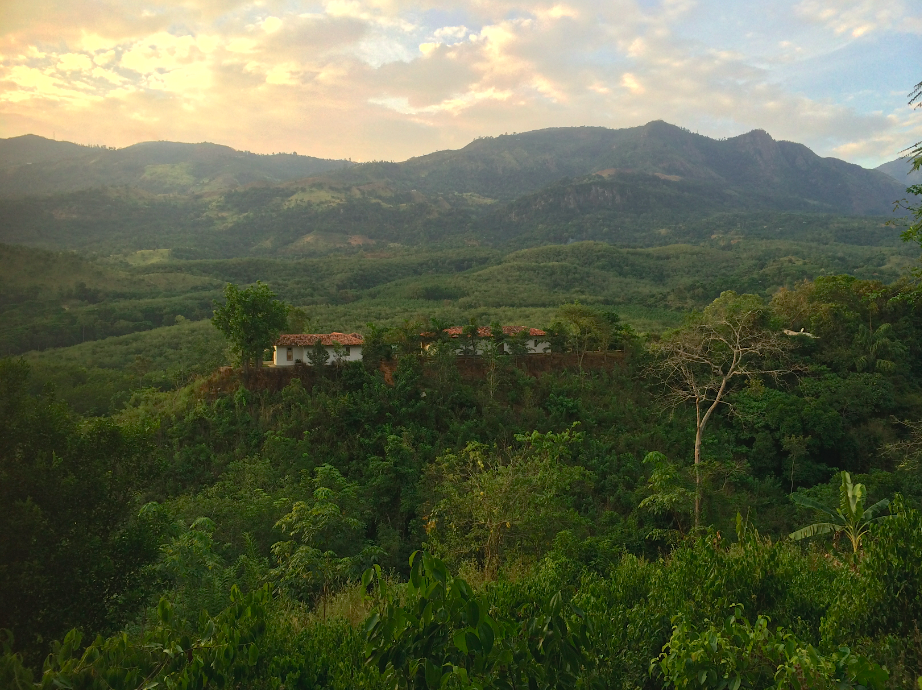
(327, 339)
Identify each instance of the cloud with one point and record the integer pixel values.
(858, 18)
(74, 62)
(393, 78)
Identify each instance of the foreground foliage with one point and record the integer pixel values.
(552, 510)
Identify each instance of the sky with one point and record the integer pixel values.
(392, 79)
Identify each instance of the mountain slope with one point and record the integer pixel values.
(35, 166)
(30, 149)
(496, 168)
(901, 171)
(641, 187)
(508, 166)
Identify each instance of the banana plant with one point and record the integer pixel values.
(850, 518)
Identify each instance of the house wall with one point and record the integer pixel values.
(542, 345)
(280, 355)
(355, 354)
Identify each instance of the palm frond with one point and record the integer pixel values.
(813, 530)
(880, 505)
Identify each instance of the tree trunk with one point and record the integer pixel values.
(699, 432)
(701, 422)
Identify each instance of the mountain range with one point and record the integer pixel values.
(638, 186)
(33, 165)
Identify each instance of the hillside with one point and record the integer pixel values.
(36, 166)
(901, 171)
(643, 186)
(508, 166)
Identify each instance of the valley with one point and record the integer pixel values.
(735, 349)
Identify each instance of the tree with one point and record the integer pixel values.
(67, 498)
(878, 348)
(298, 320)
(588, 328)
(318, 356)
(700, 363)
(326, 543)
(492, 351)
(669, 494)
(913, 231)
(486, 505)
(850, 518)
(251, 319)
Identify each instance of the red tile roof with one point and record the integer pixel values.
(485, 332)
(310, 339)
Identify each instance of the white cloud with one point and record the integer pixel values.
(271, 24)
(629, 81)
(446, 33)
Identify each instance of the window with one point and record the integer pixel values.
(290, 355)
(348, 350)
(536, 343)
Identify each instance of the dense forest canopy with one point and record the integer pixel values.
(711, 479)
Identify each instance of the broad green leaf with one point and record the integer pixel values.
(813, 530)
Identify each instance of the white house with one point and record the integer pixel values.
(536, 342)
(295, 348)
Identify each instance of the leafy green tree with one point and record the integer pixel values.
(251, 319)
(189, 560)
(327, 543)
(318, 355)
(517, 344)
(558, 334)
(670, 495)
(492, 352)
(486, 504)
(881, 597)
(851, 518)
(470, 338)
(298, 320)
(878, 347)
(588, 327)
(376, 348)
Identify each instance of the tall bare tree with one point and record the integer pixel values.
(730, 341)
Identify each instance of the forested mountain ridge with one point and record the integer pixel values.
(500, 168)
(29, 149)
(31, 165)
(508, 166)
